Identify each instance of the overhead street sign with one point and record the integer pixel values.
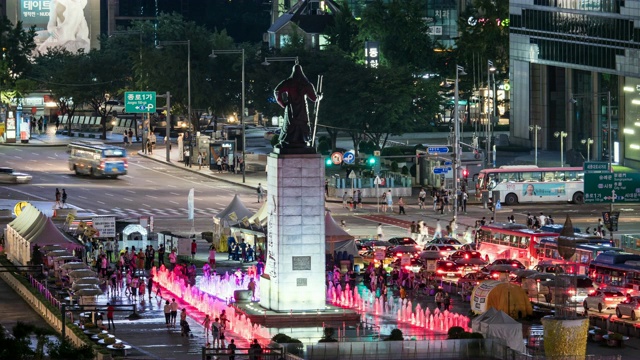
(437, 150)
(595, 166)
(439, 170)
(609, 187)
(139, 101)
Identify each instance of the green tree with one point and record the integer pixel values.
(16, 46)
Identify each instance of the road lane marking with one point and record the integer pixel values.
(108, 194)
(51, 157)
(171, 186)
(131, 191)
(172, 193)
(174, 202)
(27, 194)
(100, 202)
(151, 196)
(146, 205)
(82, 197)
(127, 199)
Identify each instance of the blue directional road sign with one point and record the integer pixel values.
(448, 163)
(349, 157)
(437, 149)
(439, 170)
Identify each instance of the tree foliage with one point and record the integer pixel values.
(16, 45)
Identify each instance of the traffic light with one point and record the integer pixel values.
(328, 161)
(465, 174)
(371, 161)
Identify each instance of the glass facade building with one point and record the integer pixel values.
(575, 67)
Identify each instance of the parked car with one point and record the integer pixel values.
(512, 262)
(445, 241)
(538, 284)
(10, 176)
(629, 307)
(474, 278)
(402, 241)
(603, 299)
(569, 288)
(444, 250)
(446, 268)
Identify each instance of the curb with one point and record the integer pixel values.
(228, 181)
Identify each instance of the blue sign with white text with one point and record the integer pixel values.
(349, 157)
(437, 149)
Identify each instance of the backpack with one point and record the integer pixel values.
(214, 328)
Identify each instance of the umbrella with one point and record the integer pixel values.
(88, 280)
(89, 292)
(431, 255)
(470, 261)
(61, 252)
(81, 273)
(405, 249)
(76, 287)
(74, 265)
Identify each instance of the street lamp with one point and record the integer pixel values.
(456, 140)
(268, 60)
(490, 69)
(214, 54)
(535, 129)
(561, 135)
(588, 143)
(188, 43)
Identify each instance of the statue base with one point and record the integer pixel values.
(295, 151)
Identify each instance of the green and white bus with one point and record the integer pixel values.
(97, 159)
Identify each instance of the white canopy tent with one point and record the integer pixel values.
(496, 324)
(232, 214)
(337, 239)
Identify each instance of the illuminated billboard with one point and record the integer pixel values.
(71, 24)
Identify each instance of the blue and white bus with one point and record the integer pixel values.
(97, 159)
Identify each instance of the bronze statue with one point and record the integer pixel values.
(292, 94)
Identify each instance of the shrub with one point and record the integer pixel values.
(394, 166)
(616, 336)
(405, 170)
(328, 335)
(109, 341)
(396, 335)
(280, 338)
(64, 350)
(455, 332)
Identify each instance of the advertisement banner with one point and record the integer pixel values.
(106, 226)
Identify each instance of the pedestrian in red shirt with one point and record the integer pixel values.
(194, 249)
(110, 310)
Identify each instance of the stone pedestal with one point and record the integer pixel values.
(565, 337)
(295, 259)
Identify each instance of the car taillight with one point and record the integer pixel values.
(101, 166)
(514, 265)
(417, 246)
(591, 291)
(572, 292)
(443, 253)
(398, 254)
(440, 271)
(466, 256)
(495, 276)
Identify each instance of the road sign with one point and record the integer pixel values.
(498, 205)
(376, 152)
(352, 175)
(595, 166)
(448, 163)
(377, 180)
(437, 150)
(139, 101)
(439, 170)
(349, 157)
(336, 158)
(611, 187)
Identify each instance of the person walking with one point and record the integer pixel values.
(401, 206)
(58, 198)
(57, 122)
(167, 313)
(212, 256)
(110, 310)
(130, 133)
(260, 192)
(199, 161)
(207, 326)
(172, 259)
(389, 199)
(215, 333)
(108, 248)
(64, 198)
(174, 312)
(345, 200)
(465, 198)
(149, 286)
(125, 139)
(422, 197)
(379, 231)
(231, 349)
(194, 249)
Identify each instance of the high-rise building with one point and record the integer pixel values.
(575, 67)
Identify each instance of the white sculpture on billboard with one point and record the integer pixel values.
(67, 27)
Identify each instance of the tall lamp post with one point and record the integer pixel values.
(588, 143)
(535, 129)
(188, 43)
(561, 135)
(490, 69)
(214, 54)
(456, 141)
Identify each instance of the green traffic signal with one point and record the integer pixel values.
(372, 160)
(328, 162)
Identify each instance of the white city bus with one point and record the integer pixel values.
(529, 184)
(97, 159)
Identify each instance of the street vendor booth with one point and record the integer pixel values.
(340, 246)
(496, 324)
(504, 296)
(252, 229)
(31, 228)
(232, 214)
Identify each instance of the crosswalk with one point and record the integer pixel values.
(164, 212)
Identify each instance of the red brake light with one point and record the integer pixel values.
(514, 265)
(466, 256)
(440, 271)
(591, 291)
(572, 292)
(495, 275)
(398, 254)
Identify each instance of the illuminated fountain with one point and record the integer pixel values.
(202, 303)
(364, 301)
